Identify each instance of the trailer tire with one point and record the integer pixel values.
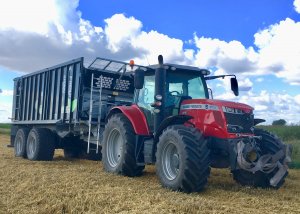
(40, 144)
(20, 142)
(182, 159)
(118, 149)
(270, 143)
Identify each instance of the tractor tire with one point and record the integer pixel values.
(118, 150)
(183, 159)
(20, 142)
(40, 145)
(269, 144)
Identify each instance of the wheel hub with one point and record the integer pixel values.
(170, 161)
(114, 147)
(31, 146)
(18, 145)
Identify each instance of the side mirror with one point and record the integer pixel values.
(139, 77)
(234, 86)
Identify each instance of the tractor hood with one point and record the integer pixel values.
(218, 118)
(216, 105)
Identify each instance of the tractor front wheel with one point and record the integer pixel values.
(182, 159)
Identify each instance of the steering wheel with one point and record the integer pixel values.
(177, 93)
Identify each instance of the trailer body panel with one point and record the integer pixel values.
(49, 95)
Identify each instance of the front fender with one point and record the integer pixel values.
(173, 120)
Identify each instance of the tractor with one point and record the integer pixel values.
(175, 124)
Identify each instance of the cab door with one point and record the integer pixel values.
(144, 99)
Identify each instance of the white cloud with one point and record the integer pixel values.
(245, 84)
(269, 106)
(260, 79)
(232, 57)
(121, 30)
(297, 5)
(5, 112)
(29, 16)
(297, 99)
(65, 35)
(279, 51)
(6, 92)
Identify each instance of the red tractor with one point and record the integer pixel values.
(173, 123)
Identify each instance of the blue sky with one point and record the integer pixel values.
(224, 19)
(257, 40)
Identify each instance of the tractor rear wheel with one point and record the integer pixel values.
(182, 159)
(269, 144)
(118, 149)
(20, 142)
(40, 144)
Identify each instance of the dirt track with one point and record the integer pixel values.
(81, 186)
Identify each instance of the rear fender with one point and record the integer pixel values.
(135, 116)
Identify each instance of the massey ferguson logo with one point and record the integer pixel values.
(200, 106)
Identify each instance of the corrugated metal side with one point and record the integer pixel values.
(48, 95)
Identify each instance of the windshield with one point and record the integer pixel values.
(183, 84)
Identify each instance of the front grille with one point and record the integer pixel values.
(244, 120)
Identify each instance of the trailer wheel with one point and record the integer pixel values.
(269, 144)
(40, 144)
(118, 149)
(20, 142)
(182, 159)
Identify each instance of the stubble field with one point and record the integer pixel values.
(81, 186)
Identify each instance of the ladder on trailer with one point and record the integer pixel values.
(95, 89)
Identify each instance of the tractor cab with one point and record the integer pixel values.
(162, 89)
(181, 83)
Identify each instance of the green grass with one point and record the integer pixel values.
(295, 154)
(285, 133)
(289, 135)
(4, 128)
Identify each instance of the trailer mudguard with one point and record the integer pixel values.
(135, 116)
